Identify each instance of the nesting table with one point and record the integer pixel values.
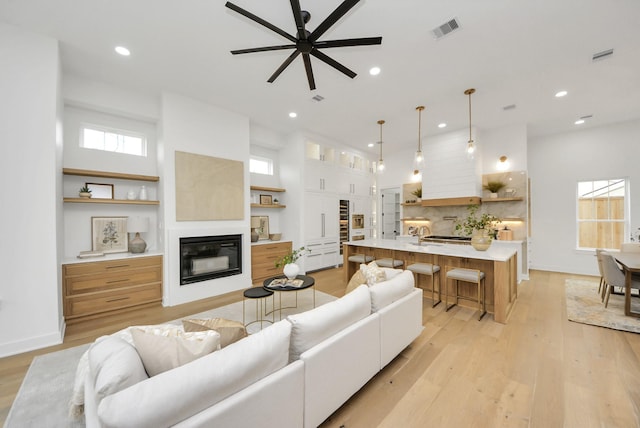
(307, 282)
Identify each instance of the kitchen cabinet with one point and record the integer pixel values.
(321, 216)
(323, 253)
(320, 152)
(320, 177)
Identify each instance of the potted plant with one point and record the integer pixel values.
(288, 262)
(276, 201)
(84, 192)
(478, 227)
(417, 193)
(494, 187)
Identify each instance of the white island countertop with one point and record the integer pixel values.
(498, 253)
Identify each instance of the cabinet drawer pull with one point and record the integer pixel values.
(117, 280)
(117, 299)
(118, 266)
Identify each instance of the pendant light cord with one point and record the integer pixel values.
(380, 122)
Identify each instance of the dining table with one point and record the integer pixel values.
(630, 262)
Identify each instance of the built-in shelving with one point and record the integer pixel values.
(114, 175)
(267, 189)
(516, 199)
(268, 206)
(411, 204)
(414, 219)
(110, 201)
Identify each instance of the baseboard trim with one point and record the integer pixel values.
(32, 343)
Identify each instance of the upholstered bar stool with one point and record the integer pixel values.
(434, 272)
(474, 276)
(260, 295)
(360, 258)
(389, 263)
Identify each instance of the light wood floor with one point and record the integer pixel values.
(539, 370)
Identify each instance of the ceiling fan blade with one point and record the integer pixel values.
(284, 65)
(307, 66)
(264, 49)
(260, 21)
(333, 63)
(363, 41)
(332, 19)
(297, 16)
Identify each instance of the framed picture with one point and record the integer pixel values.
(263, 230)
(109, 234)
(266, 200)
(100, 191)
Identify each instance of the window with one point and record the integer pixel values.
(602, 213)
(111, 140)
(259, 165)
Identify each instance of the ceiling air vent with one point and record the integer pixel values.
(446, 28)
(602, 55)
(509, 107)
(318, 98)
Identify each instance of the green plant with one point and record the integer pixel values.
(475, 222)
(291, 257)
(417, 193)
(85, 189)
(494, 186)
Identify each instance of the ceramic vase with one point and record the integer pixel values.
(480, 240)
(291, 270)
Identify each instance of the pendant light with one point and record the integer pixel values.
(418, 160)
(380, 162)
(471, 148)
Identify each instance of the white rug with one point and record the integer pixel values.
(584, 306)
(43, 398)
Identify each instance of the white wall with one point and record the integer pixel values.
(30, 290)
(556, 164)
(192, 126)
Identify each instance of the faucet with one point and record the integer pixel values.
(423, 231)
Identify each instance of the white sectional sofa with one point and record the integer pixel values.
(295, 373)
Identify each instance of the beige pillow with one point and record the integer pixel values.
(356, 280)
(230, 331)
(373, 273)
(164, 349)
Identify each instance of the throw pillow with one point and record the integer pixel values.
(356, 280)
(230, 331)
(373, 273)
(165, 349)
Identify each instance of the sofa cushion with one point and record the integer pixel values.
(230, 331)
(373, 273)
(356, 281)
(177, 394)
(387, 292)
(314, 326)
(114, 365)
(165, 349)
(390, 273)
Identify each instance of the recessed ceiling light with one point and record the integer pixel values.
(370, 145)
(293, 115)
(374, 71)
(561, 94)
(579, 122)
(122, 51)
(442, 125)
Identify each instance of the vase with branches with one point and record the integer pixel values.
(494, 187)
(288, 262)
(478, 227)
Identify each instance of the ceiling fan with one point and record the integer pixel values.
(307, 42)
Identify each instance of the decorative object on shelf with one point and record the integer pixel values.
(418, 160)
(276, 201)
(471, 148)
(417, 193)
(263, 227)
(478, 227)
(494, 187)
(275, 236)
(131, 195)
(84, 192)
(100, 191)
(266, 200)
(288, 262)
(143, 193)
(137, 225)
(109, 234)
(380, 161)
(510, 192)
(255, 224)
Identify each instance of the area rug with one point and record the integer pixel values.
(584, 306)
(43, 398)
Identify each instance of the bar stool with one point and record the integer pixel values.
(430, 270)
(389, 263)
(260, 295)
(360, 258)
(473, 276)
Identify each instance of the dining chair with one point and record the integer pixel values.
(614, 277)
(602, 286)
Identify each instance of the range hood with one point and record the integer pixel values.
(450, 178)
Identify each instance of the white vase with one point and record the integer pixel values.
(291, 270)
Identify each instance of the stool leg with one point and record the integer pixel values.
(439, 288)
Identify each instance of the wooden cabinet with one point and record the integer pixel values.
(94, 288)
(263, 259)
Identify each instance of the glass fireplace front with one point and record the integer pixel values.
(208, 257)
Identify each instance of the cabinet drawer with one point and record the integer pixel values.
(111, 266)
(93, 303)
(111, 279)
(261, 250)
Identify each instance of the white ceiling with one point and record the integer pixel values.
(512, 51)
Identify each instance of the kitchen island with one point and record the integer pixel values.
(499, 264)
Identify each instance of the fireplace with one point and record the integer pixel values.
(208, 257)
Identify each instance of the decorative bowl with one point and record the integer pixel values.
(275, 236)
